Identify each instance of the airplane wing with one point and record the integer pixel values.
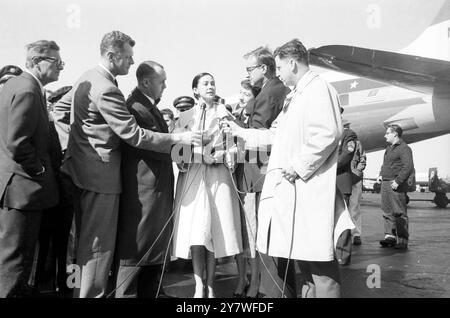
(413, 72)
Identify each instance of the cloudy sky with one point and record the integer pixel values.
(192, 36)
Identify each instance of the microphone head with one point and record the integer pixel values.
(203, 106)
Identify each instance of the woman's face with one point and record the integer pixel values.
(245, 95)
(206, 88)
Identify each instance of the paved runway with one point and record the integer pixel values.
(421, 271)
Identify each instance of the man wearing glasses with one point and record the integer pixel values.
(27, 181)
(260, 66)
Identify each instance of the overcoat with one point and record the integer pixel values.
(298, 221)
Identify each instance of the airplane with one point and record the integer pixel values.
(423, 110)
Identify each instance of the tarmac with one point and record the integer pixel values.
(422, 271)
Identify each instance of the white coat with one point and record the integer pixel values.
(301, 218)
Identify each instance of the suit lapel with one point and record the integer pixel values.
(261, 93)
(38, 90)
(152, 109)
(106, 74)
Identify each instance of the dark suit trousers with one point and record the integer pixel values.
(54, 233)
(18, 236)
(138, 282)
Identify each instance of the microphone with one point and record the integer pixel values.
(203, 106)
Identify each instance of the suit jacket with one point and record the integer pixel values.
(24, 147)
(265, 108)
(347, 148)
(99, 120)
(147, 197)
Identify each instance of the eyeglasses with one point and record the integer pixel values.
(54, 60)
(251, 68)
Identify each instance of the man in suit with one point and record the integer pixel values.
(260, 65)
(100, 121)
(145, 213)
(27, 181)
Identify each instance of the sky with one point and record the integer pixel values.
(193, 36)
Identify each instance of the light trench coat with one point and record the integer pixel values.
(301, 219)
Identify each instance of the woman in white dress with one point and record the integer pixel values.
(207, 220)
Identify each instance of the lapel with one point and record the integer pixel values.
(301, 85)
(106, 74)
(152, 109)
(263, 91)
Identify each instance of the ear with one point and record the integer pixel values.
(264, 68)
(293, 65)
(110, 56)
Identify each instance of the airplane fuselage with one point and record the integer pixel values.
(371, 106)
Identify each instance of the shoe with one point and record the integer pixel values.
(244, 291)
(401, 246)
(388, 242)
(239, 295)
(357, 240)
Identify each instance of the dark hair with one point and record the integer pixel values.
(39, 49)
(247, 85)
(294, 49)
(263, 56)
(167, 111)
(115, 40)
(396, 128)
(197, 79)
(147, 69)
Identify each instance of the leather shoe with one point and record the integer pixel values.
(388, 242)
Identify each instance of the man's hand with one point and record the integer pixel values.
(289, 174)
(190, 138)
(230, 127)
(394, 185)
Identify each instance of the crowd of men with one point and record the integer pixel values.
(105, 162)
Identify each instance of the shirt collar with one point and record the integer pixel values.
(108, 71)
(149, 98)
(39, 82)
(304, 80)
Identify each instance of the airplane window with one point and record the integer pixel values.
(373, 92)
